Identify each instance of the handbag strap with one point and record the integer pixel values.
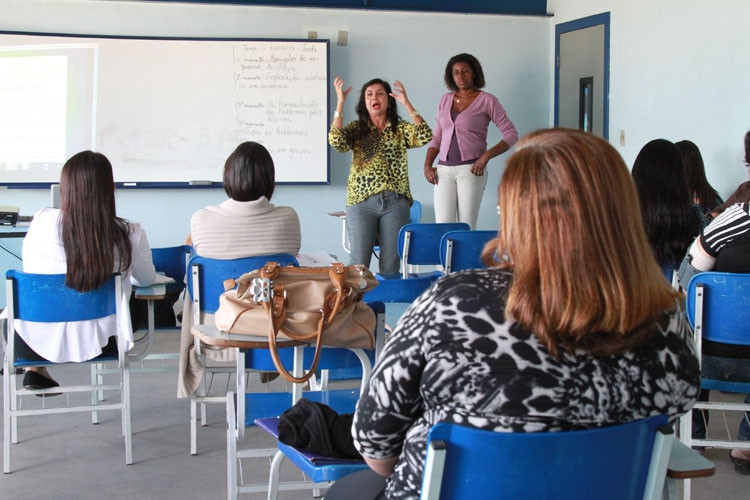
(276, 310)
(279, 365)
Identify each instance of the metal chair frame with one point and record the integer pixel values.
(29, 298)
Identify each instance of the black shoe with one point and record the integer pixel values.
(34, 381)
(741, 466)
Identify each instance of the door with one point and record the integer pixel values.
(582, 74)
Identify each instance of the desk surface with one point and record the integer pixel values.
(209, 334)
(18, 231)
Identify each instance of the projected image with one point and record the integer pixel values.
(32, 104)
(47, 109)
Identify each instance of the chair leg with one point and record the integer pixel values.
(686, 437)
(241, 390)
(203, 391)
(231, 449)
(273, 476)
(125, 395)
(95, 395)
(193, 426)
(6, 418)
(100, 378)
(12, 387)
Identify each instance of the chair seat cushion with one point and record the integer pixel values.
(317, 467)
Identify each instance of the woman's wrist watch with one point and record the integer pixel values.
(336, 114)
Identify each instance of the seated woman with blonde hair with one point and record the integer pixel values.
(572, 326)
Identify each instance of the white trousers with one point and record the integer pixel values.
(458, 194)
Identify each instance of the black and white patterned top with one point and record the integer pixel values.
(453, 357)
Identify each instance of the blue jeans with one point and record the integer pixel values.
(729, 369)
(378, 218)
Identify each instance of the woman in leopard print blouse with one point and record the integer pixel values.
(571, 327)
(377, 192)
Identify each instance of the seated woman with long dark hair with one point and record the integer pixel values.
(88, 242)
(571, 326)
(669, 217)
(705, 197)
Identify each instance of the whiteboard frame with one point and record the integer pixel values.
(185, 184)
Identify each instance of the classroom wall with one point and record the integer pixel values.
(411, 47)
(678, 71)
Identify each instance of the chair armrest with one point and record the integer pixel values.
(686, 463)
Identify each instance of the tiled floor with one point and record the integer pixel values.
(65, 457)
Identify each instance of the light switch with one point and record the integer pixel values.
(622, 137)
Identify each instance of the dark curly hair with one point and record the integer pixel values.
(473, 63)
(364, 115)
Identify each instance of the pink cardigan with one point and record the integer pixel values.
(471, 126)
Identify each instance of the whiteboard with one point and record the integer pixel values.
(166, 112)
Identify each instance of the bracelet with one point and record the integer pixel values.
(414, 113)
(336, 114)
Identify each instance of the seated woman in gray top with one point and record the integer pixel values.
(245, 225)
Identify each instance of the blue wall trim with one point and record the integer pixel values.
(578, 24)
(508, 7)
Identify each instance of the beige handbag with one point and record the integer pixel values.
(321, 305)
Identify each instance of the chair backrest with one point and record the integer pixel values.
(415, 212)
(419, 244)
(718, 307)
(208, 275)
(45, 298)
(461, 250)
(610, 462)
(171, 261)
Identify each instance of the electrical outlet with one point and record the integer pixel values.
(343, 38)
(622, 137)
(312, 35)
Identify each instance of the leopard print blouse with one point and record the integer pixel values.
(454, 357)
(379, 160)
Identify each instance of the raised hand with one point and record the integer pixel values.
(341, 94)
(399, 93)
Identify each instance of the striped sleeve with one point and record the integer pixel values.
(733, 222)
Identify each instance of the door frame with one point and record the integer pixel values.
(578, 24)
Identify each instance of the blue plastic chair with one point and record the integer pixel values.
(419, 244)
(205, 285)
(172, 261)
(718, 309)
(267, 406)
(247, 409)
(461, 250)
(45, 298)
(622, 462)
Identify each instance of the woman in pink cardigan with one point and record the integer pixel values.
(460, 141)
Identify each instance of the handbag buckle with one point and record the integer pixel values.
(262, 289)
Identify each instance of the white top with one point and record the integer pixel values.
(237, 229)
(43, 253)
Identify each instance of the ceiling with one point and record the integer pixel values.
(508, 7)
